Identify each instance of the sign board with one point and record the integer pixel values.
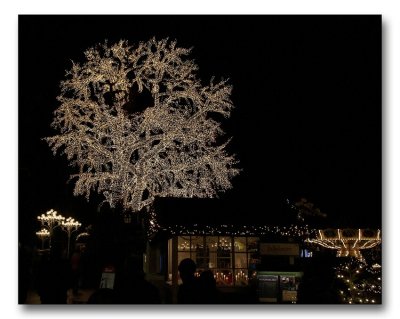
(107, 277)
(267, 289)
(277, 249)
(289, 295)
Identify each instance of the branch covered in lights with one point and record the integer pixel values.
(131, 154)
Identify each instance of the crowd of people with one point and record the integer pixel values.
(56, 275)
(130, 287)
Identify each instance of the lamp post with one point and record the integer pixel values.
(69, 226)
(51, 220)
(42, 234)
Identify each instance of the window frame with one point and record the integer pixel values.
(233, 271)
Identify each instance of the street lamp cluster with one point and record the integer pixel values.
(43, 234)
(70, 226)
(50, 221)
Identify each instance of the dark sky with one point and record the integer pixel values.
(307, 118)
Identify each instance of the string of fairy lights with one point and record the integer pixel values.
(362, 282)
(293, 231)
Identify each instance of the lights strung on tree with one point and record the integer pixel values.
(130, 153)
(362, 282)
(153, 225)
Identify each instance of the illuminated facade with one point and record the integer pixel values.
(231, 259)
(241, 258)
(263, 258)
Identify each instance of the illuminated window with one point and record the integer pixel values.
(229, 258)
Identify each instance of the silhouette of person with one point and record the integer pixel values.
(103, 296)
(208, 287)
(76, 270)
(130, 284)
(24, 271)
(54, 279)
(189, 291)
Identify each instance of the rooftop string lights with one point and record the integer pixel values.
(293, 231)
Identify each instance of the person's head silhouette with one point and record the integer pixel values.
(134, 265)
(207, 278)
(187, 268)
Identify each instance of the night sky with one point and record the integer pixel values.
(306, 123)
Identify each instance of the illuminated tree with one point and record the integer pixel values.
(362, 282)
(129, 152)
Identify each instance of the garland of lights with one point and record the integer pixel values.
(347, 242)
(130, 155)
(233, 230)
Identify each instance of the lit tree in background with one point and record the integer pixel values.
(131, 153)
(362, 283)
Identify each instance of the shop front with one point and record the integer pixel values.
(240, 263)
(231, 259)
(279, 273)
(278, 286)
